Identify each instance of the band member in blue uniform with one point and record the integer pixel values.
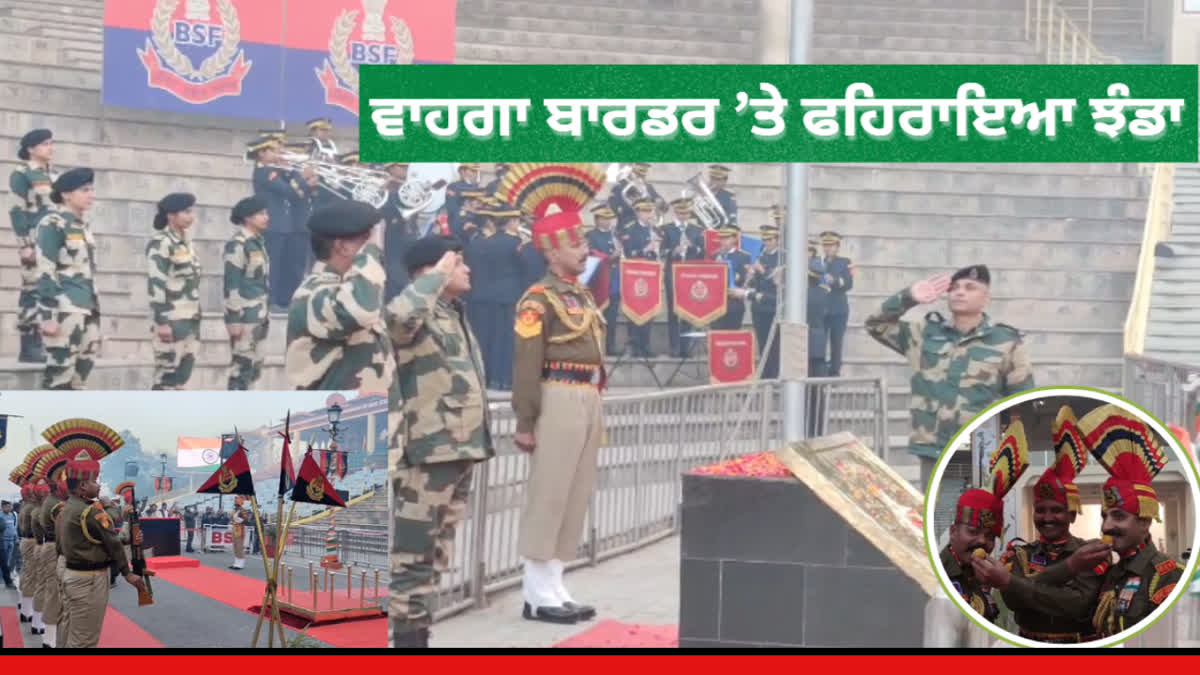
(603, 239)
(640, 241)
(320, 145)
(280, 189)
(468, 180)
(840, 279)
(739, 267)
(683, 240)
(398, 234)
(718, 178)
(764, 298)
(817, 312)
(621, 204)
(490, 189)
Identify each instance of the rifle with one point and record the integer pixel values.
(137, 559)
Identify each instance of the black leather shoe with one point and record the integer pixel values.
(417, 639)
(584, 612)
(550, 614)
(26, 619)
(36, 631)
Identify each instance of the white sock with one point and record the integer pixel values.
(27, 606)
(51, 636)
(37, 620)
(560, 589)
(538, 585)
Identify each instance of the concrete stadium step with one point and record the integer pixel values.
(102, 157)
(877, 5)
(584, 30)
(1049, 370)
(619, 43)
(945, 43)
(683, 14)
(120, 374)
(1005, 228)
(23, 26)
(1044, 280)
(880, 28)
(468, 53)
(1015, 205)
(976, 182)
(849, 56)
(896, 250)
(54, 13)
(1076, 312)
(68, 76)
(37, 50)
(945, 12)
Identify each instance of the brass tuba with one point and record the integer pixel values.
(635, 187)
(416, 195)
(705, 206)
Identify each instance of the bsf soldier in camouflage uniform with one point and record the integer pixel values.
(67, 300)
(174, 289)
(247, 291)
(336, 336)
(30, 187)
(438, 421)
(959, 366)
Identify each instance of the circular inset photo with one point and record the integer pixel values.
(1061, 516)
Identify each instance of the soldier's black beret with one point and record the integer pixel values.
(172, 203)
(974, 272)
(70, 181)
(35, 137)
(344, 218)
(246, 208)
(428, 250)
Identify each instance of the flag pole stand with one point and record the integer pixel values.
(281, 532)
(269, 595)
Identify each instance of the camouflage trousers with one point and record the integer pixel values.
(175, 360)
(249, 351)
(71, 354)
(430, 500)
(27, 305)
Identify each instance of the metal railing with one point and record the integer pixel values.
(1058, 38)
(1166, 390)
(358, 545)
(651, 441)
(1157, 228)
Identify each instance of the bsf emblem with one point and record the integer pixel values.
(316, 489)
(1045, 491)
(339, 76)
(641, 289)
(226, 481)
(220, 74)
(731, 358)
(699, 291)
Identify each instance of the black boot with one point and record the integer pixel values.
(31, 349)
(415, 639)
(550, 614)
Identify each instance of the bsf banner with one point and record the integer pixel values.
(700, 291)
(233, 57)
(731, 356)
(220, 537)
(641, 290)
(779, 113)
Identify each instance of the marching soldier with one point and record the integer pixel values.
(739, 268)
(28, 541)
(38, 492)
(817, 313)
(89, 546)
(174, 289)
(604, 241)
(336, 338)
(718, 178)
(468, 180)
(639, 241)
(840, 280)
(620, 204)
(113, 509)
(681, 242)
(320, 145)
(959, 366)
(30, 186)
(432, 454)
(764, 298)
(279, 189)
(47, 515)
(558, 376)
(247, 290)
(67, 301)
(239, 534)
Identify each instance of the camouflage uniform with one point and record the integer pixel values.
(954, 376)
(67, 294)
(174, 288)
(1046, 609)
(247, 279)
(30, 187)
(438, 423)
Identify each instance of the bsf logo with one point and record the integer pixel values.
(641, 289)
(339, 77)
(699, 291)
(219, 74)
(731, 358)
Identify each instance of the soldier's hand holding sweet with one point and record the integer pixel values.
(1088, 556)
(991, 572)
(164, 332)
(28, 254)
(50, 328)
(929, 290)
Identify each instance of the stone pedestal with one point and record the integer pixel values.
(765, 562)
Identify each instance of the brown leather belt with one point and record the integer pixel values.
(572, 373)
(85, 566)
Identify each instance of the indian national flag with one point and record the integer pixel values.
(198, 453)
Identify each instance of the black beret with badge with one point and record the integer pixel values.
(975, 273)
(70, 181)
(428, 251)
(172, 203)
(246, 208)
(32, 139)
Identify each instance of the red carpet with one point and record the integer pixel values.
(166, 562)
(348, 634)
(614, 634)
(13, 638)
(227, 588)
(120, 632)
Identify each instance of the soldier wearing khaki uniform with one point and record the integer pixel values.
(26, 544)
(558, 374)
(33, 563)
(438, 423)
(173, 284)
(51, 587)
(247, 291)
(336, 338)
(67, 302)
(30, 187)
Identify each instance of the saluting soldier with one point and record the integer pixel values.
(278, 189)
(959, 366)
(247, 291)
(639, 242)
(439, 429)
(30, 186)
(601, 239)
(621, 205)
(336, 338)
(89, 545)
(173, 285)
(840, 279)
(67, 300)
(558, 376)
(468, 180)
(718, 178)
(739, 268)
(321, 146)
(764, 300)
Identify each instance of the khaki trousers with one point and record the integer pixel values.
(41, 577)
(239, 545)
(87, 596)
(52, 587)
(562, 471)
(26, 585)
(65, 615)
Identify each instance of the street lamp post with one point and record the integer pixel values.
(334, 413)
(162, 473)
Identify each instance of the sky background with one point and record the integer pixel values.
(157, 418)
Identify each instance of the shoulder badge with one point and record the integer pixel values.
(1161, 594)
(1006, 326)
(1166, 566)
(272, 175)
(83, 525)
(934, 317)
(529, 323)
(219, 75)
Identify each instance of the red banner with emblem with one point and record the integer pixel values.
(700, 291)
(641, 290)
(341, 467)
(731, 356)
(601, 281)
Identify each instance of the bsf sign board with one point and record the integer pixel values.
(731, 356)
(220, 537)
(700, 291)
(641, 290)
(288, 60)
